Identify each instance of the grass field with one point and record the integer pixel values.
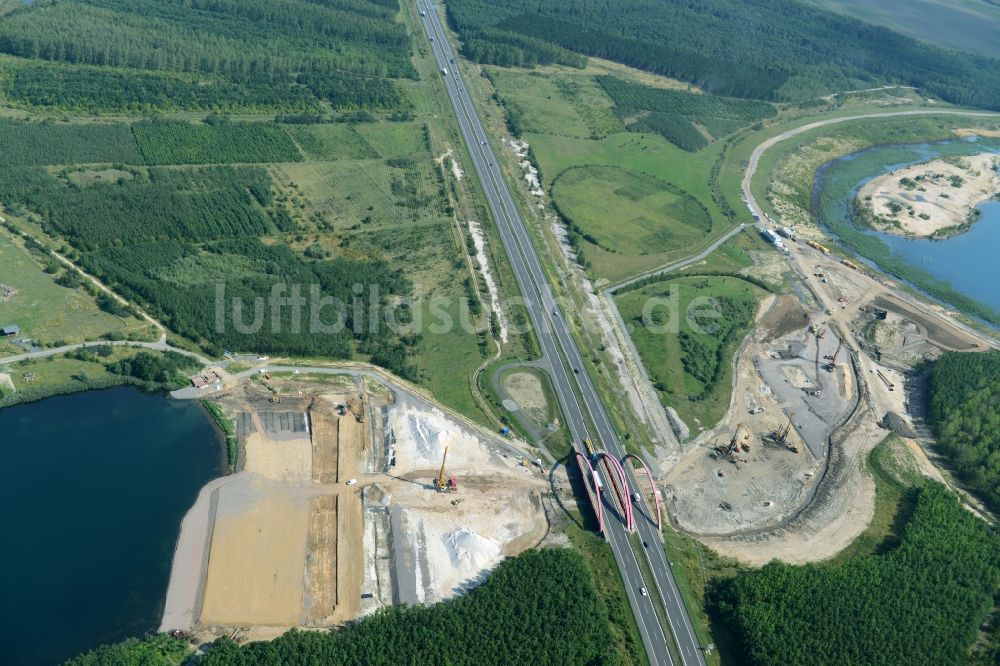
(557, 101)
(627, 212)
(336, 141)
(46, 312)
(648, 154)
(395, 140)
(965, 25)
(694, 376)
(570, 121)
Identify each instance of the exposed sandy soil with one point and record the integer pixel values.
(964, 132)
(925, 200)
(525, 388)
(288, 543)
(289, 460)
(257, 560)
(321, 570)
(842, 509)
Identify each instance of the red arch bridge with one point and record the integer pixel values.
(620, 497)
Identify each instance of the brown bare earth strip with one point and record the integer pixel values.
(325, 444)
(322, 571)
(350, 566)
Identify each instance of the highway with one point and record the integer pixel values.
(577, 396)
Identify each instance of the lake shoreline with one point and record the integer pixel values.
(103, 480)
(935, 199)
(831, 204)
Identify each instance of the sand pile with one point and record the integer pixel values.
(420, 436)
(428, 435)
(469, 551)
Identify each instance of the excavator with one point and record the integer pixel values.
(832, 365)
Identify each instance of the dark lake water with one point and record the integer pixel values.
(954, 269)
(93, 488)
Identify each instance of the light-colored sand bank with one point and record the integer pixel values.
(931, 199)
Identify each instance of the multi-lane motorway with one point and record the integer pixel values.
(585, 414)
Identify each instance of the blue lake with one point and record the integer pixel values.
(93, 488)
(967, 261)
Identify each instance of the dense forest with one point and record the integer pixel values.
(921, 603)
(964, 411)
(102, 55)
(540, 607)
(152, 142)
(765, 49)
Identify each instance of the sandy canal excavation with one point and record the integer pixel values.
(336, 511)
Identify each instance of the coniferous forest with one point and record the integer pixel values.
(964, 411)
(103, 55)
(921, 603)
(764, 49)
(540, 607)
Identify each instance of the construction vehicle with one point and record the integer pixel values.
(833, 359)
(450, 484)
(737, 443)
(817, 246)
(274, 398)
(341, 409)
(780, 436)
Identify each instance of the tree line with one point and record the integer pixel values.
(540, 607)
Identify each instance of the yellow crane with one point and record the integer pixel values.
(442, 485)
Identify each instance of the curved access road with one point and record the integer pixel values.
(760, 149)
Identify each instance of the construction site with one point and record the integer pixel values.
(795, 384)
(829, 371)
(349, 495)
